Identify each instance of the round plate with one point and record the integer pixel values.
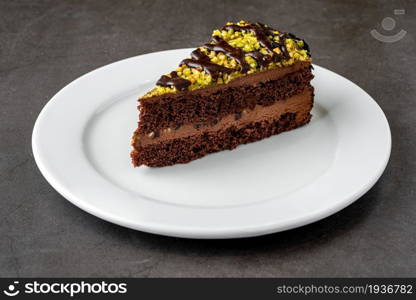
(81, 143)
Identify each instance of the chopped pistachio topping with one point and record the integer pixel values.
(246, 41)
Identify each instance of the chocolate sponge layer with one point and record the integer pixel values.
(208, 105)
(182, 150)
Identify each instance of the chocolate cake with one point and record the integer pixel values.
(248, 83)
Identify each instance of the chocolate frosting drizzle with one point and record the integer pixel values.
(236, 53)
(179, 83)
(259, 30)
(201, 60)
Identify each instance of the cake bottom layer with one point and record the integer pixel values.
(186, 149)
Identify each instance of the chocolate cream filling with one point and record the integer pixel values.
(300, 104)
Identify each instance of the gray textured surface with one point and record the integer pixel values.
(46, 44)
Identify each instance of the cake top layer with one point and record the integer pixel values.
(235, 50)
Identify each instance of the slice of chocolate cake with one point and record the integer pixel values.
(248, 83)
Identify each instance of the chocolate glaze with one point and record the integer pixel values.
(288, 35)
(264, 35)
(199, 55)
(262, 32)
(262, 59)
(259, 30)
(222, 46)
(201, 60)
(174, 80)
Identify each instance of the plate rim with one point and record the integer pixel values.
(201, 232)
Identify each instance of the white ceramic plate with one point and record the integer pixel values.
(81, 143)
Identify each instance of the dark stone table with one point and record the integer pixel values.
(46, 44)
